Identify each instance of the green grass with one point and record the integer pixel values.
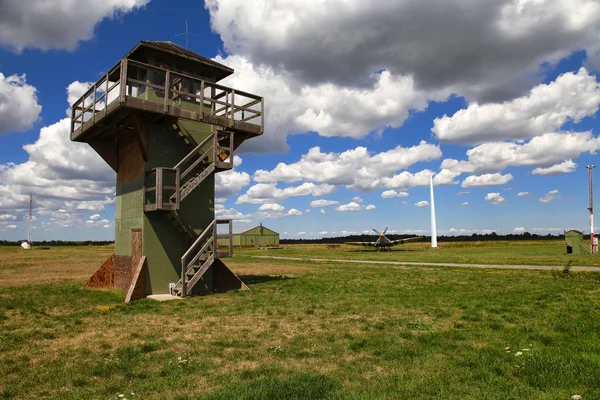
(303, 331)
(538, 252)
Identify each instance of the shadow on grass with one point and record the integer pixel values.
(257, 279)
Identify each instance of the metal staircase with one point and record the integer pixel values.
(200, 256)
(172, 185)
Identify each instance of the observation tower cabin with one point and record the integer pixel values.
(165, 126)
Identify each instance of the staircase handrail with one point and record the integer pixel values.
(184, 263)
(193, 152)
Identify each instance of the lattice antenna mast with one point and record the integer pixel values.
(30, 217)
(187, 34)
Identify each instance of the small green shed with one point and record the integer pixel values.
(574, 242)
(259, 236)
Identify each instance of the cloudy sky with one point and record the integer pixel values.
(498, 99)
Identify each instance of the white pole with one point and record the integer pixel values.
(30, 218)
(591, 209)
(432, 206)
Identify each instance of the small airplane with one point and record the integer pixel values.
(383, 243)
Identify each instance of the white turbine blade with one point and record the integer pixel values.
(376, 231)
(385, 230)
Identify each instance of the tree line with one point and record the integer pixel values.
(48, 243)
(459, 238)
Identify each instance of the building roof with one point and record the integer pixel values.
(266, 231)
(176, 50)
(575, 231)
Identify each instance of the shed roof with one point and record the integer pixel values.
(266, 231)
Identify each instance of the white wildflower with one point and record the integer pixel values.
(518, 353)
(506, 348)
(576, 397)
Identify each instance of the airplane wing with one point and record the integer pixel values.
(402, 241)
(361, 243)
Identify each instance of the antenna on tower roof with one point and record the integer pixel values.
(187, 34)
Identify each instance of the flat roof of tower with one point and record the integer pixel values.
(176, 50)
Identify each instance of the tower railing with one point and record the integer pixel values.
(133, 83)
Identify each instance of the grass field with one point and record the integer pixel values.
(535, 252)
(303, 331)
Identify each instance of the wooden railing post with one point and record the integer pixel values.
(215, 240)
(159, 189)
(177, 187)
(167, 90)
(201, 99)
(106, 95)
(123, 79)
(230, 238)
(94, 105)
(262, 115)
(183, 272)
(232, 107)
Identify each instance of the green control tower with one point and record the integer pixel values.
(162, 122)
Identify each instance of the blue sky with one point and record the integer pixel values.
(498, 99)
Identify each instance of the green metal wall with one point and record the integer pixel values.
(252, 238)
(163, 243)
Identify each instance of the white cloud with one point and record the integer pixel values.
(56, 24)
(462, 193)
(352, 206)
(370, 207)
(495, 198)
(7, 217)
(541, 151)
(295, 212)
(388, 194)
(466, 203)
(557, 169)
(357, 199)
(268, 193)
(422, 203)
(296, 107)
(322, 211)
(232, 213)
(486, 180)
(550, 196)
(11, 226)
(19, 108)
(323, 203)
(271, 207)
(61, 175)
(571, 97)
(95, 217)
(522, 194)
(519, 230)
(354, 168)
(343, 42)
(230, 182)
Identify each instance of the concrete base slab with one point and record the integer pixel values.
(163, 297)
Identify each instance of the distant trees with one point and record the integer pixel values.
(461, 238)
(59, 243)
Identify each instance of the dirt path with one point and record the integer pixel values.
(543, 267)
